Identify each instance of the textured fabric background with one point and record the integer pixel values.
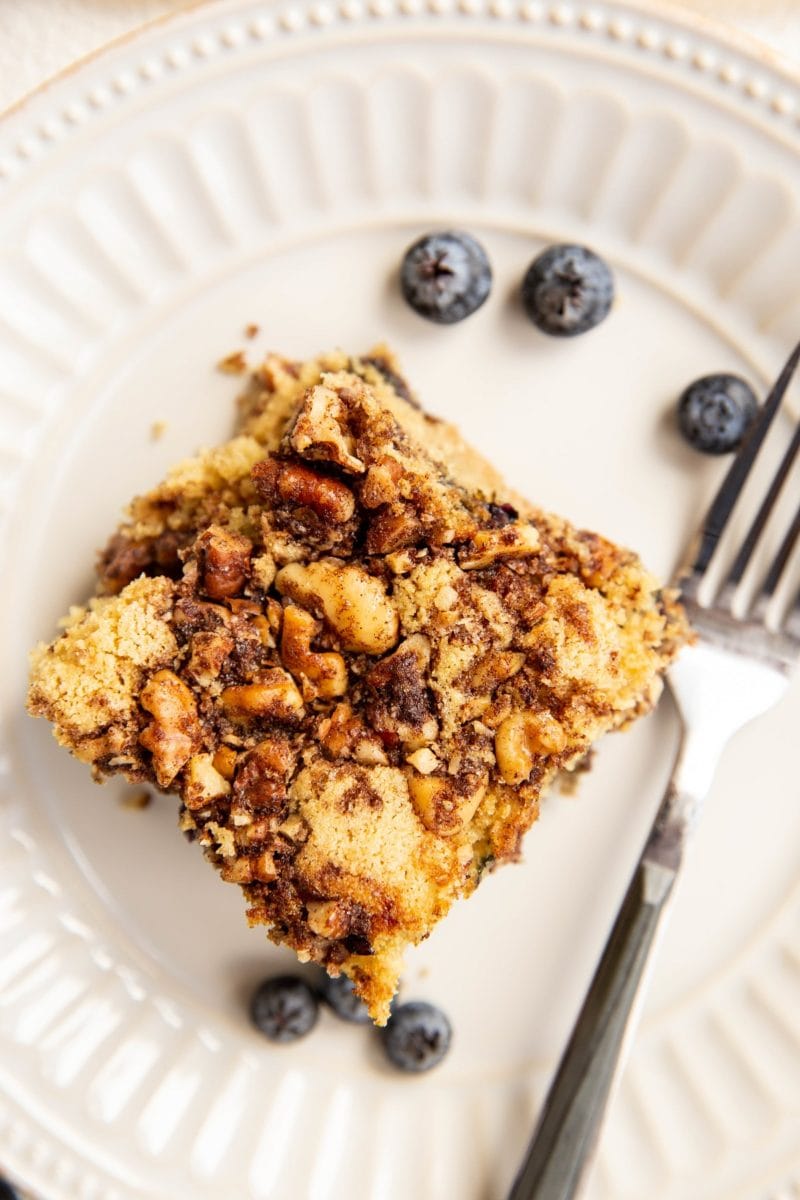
(40, 37)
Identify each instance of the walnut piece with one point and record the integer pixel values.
(380, 485)
(424, 760)
(394, 529)
(225, 761)
(322, 431)
(401, 703)
(203, 782)
(354, 604)
(259, 868)
(495, 668)
(325, 673)
(272, 696)
(445, 805)
(174, 734)
(208, 653)
(401, 562)
(260, 785)
(344, 735)
(292, 483)
(329, 918)
(495, 545)
(224, 559)
(520, 738)
(263, 571)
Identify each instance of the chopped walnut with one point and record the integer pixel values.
(324, 673)
(242, 607)
(424, 760)
(239, 871)
(322, 430)
(273, 696)
(488, 546)
(520, 738)
(260, 783)
(253, 830)
(251, 628)
(394, 529)
(380, 485)
(293, 483)
(224, 559)
(274, 614)
(329, 918)
(354, 604)
(401, 704)
(445, 805)
(344, 735)
(174, 734)
(263, 867)
(203, 783)
(208, 653)
(263, 570)
(336, 731)
(495, 668)
(225, 761)
(401, 562)
(369, 752)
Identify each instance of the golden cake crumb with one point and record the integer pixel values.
(357, 658)
(233, 364)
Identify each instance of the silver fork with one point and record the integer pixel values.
(736, 671)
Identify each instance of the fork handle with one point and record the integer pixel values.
(563, 1143)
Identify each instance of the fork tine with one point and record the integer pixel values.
(791, 625)
(725, 499)
(762, 516)
(782, 557)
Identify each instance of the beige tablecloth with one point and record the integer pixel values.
(38, 38)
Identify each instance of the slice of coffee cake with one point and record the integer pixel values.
(356, 658)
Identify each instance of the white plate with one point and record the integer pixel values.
(269, 163)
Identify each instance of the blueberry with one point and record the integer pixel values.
(567, 290)
(445, 276)
(417, 1036)
(284, 1008)
(338, 992)
(715, 412)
